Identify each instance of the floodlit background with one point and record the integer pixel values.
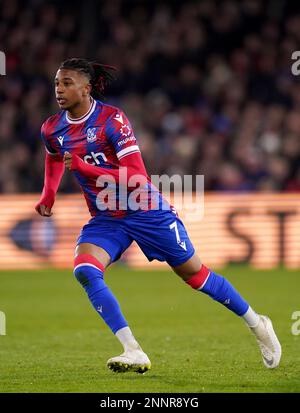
(209, 90)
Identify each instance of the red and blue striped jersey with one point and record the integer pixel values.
(102, 137)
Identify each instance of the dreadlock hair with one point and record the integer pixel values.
(99, 75)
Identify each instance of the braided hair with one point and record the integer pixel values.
(99, 75)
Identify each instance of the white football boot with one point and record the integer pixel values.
(131, 360)
(268, 342)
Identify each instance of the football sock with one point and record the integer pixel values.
(89, 272)
(219, 289)
(251, 318)
(127, 339)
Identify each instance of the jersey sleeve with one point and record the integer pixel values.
(46, 142)
(120, 135)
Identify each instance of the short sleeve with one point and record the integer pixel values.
(120, 134)
(46, 142)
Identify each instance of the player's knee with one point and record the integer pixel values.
(82, 275)
(189, 268)
(87, 270)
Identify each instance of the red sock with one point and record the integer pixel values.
(199, 279)
(87, 259)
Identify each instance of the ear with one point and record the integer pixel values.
(87, 90)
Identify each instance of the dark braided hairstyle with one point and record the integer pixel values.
(99, 75)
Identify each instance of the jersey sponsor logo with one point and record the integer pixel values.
(124, 141)
(61, 140)
(91, 135)
(119, 118)
(125, 130)
(94, 156)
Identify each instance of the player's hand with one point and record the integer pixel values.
(68, 160)
(43, 210)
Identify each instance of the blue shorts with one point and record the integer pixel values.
(160, 234)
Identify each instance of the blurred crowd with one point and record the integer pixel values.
(207, 85)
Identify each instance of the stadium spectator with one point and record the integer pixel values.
(208, 87)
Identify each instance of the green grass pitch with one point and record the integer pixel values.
(56, 342)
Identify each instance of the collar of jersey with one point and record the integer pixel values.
(84, 117)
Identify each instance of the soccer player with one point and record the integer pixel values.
(95, 141)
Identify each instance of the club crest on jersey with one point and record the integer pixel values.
(91, 135)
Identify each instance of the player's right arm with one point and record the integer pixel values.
(54, 170)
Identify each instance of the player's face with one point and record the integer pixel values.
(71, 88)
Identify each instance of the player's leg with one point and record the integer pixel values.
(199, 277)
(89, 266)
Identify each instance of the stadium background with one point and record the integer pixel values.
(209, 90)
